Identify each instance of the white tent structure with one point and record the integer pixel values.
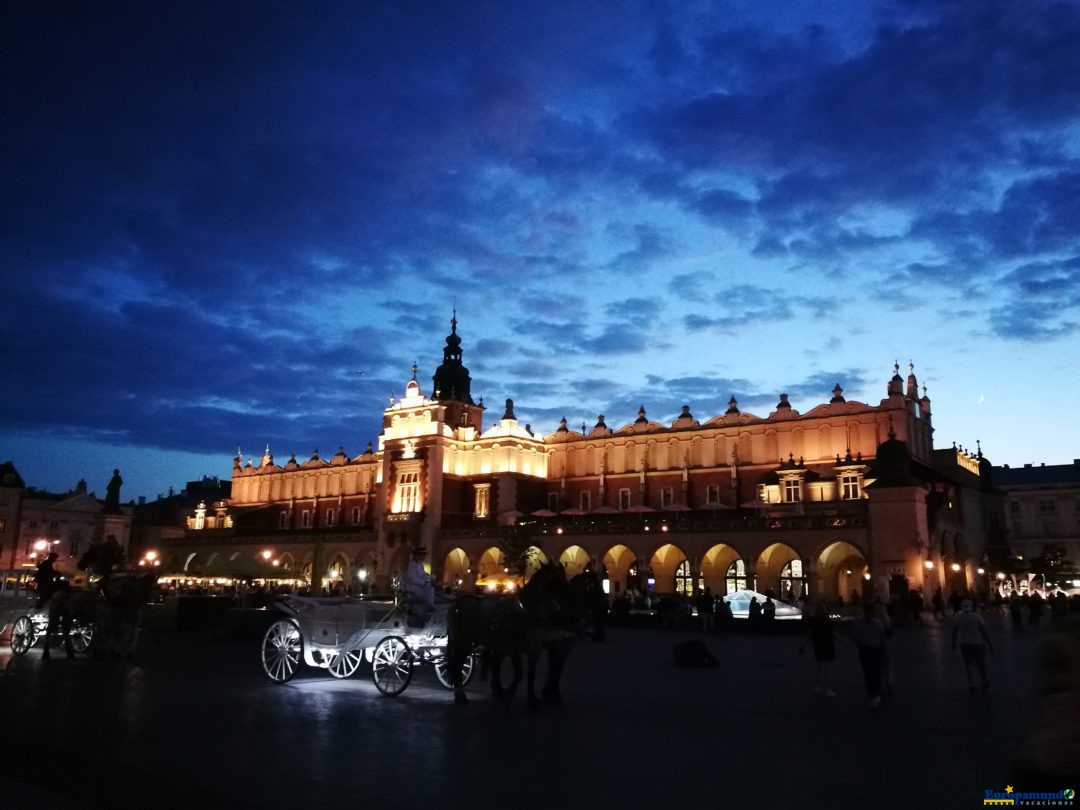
(740, 605)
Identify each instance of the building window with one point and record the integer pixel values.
(792, 490)
(407, 496)
(330, 515)
(712, 494)
(849, 487)
(283, 520)
(792, 581)
(1047, 507)
(586, 501)
(735, 579)
(482, 500)
(553, 501)
(666, 498)
(684, 579)
(624, 499)
(305, 519)
(356, 516)
(1014, 507)
(200, 518)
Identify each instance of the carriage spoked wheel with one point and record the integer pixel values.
(81, 638)
(282, 647)
(22, 635)
(392, 666)
(346, 663)
(442, 670)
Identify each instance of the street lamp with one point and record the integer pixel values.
(1000, 575)
(955, 566)
(929, 565)
(41, 545)
(267, 554)
(981, 571)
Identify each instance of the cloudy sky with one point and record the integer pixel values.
(215, 216)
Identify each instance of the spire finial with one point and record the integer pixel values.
(896, 366)
(414, 369)
(453, 319)
(911, 366)
(978, 445)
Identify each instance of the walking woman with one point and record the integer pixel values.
(822, 636)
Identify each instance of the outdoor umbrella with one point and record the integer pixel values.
(574, 512)
(641, 508)
(543, 513)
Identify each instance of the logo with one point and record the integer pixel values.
(1011, 797)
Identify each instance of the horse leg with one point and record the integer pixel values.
(558, 651)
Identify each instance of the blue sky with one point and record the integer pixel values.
(216, 215)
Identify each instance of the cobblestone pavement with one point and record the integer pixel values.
(192, 723)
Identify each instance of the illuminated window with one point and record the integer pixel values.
(684, 580)
(305, 519)
(667, 498)
(735, 579)
(283, 520)
(792, 490)
(792, 580)
(356, 516)
(586, 501)
(849, 488)
(407, 495)
(763, 493)
(330, 515)
(481, 500)
(624, 499)
(712, 494)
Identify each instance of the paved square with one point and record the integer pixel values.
(193, 723)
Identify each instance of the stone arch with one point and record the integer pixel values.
(365, 567)
(338, 567)
(840, 571)
(286, 562)
(535, 558)
(234, 555)
(490, 564)
(617, 561)
(456, 569)
(191, 562)
(210, 559)
(715, 564)
(772, 566)
(664, 562)
(574, 559)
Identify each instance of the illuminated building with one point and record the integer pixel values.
(846, 494)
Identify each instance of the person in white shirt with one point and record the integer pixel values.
(969, 631)
(418, 584)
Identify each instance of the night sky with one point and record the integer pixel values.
(215, 216)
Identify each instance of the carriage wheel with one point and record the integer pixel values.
(81, 638)
(346, 663)
(281, 650)
(22, 635)
(392, 666)
(442, 670)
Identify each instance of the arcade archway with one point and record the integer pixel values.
(665, 563)
(715, 565)
(841, 571)
(574, 560)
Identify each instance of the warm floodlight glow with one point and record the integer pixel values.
(981, 571)
(1000, 575)
(267, 554)
(151, 555)
(41, 545)
(955, 566)
(929, 565)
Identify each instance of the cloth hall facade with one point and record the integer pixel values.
(844, 497)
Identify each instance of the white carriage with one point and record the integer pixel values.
(336, 634)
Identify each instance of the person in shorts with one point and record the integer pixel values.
(969, 631)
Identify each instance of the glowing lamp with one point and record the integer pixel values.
(981, 571)
(848, 572)
(558, 530)
(664, 528)
(41, 545)
(491, 585)
(1000, 575)
(929, 565)
(267, 554)
(151, 555)
(866, 576)
(955, 566)
(651, 581)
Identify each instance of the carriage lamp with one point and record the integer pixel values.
(509, 586)
(955, 566)
(267, 554)
(491, 585)
(929, 564)
(361, 574)
(866, 576)
(981, 571)
(1000, 575)
(276, 563)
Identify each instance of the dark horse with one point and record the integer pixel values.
(543, 617)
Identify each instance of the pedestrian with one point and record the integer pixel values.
(954, 602)
(882, 615)
(723, 608)
(753, 613)
(1016, 611)
(1035, 608)
(822, 638)
(938, 603)
(869, 635)
(969, 630)
(45, 577)
(768, 611)
(706, 608)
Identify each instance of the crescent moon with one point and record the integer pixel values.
(981, 400)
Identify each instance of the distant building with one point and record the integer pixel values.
(846, 495)
(12, 487)
(1042, 506)
(157, 522)
(67, 523)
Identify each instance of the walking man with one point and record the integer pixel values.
(970, 631)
